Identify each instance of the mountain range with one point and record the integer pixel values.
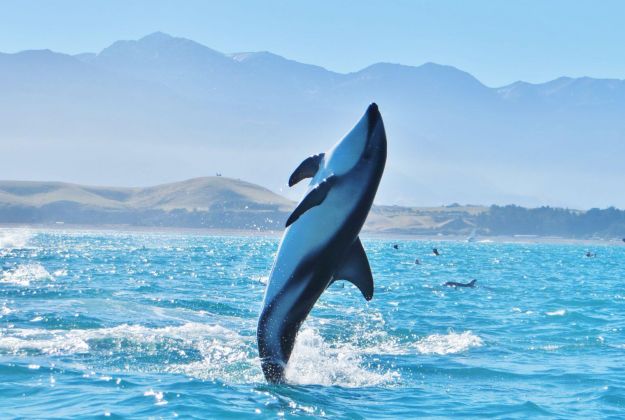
(161, 108)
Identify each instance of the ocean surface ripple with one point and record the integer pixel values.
(117, 325)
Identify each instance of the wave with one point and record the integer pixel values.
(216, 353)
(158, 397)
(41, 341)
(579, 317)
(24, 274)
(315, 361)
(14, 238)
(233, 358)
(450, 343)
(5, 310)
(220, 353)
(559, 312)
(380, 343)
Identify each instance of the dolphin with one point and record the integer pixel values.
(320, 243)
(456, 284)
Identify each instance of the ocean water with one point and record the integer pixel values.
(116, 325)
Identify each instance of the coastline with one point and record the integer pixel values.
(365, 234)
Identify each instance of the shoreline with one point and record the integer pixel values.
(519, 239)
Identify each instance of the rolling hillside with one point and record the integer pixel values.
(211, 202)
(225, 203)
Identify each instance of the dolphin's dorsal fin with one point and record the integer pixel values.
(312, 199)
(355, 269)
(307, 169)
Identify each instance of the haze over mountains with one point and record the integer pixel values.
(163, 108)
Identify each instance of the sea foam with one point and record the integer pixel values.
(14, 238)
(448, 343)
(225, 355)
(24, 274)
(315, 361)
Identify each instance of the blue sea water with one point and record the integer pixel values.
(127, 325)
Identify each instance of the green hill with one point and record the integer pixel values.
(212, 202)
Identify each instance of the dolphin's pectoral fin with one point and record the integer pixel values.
(355, 269)
(314, 198)
(307, 169)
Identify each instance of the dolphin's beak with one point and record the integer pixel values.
(376, 136)
(373, 116)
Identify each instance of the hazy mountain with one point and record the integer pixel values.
(163, 108)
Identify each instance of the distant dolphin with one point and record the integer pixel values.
(321, 241)
(456, 284)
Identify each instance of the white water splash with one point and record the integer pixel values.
(379, 342)
(228, 356)
(5, 310)
(551, 347)
(14, 238)
(158, 397)
(314, 361)
(225, 354)
(41, 339)
(53, 342)
(559, 312)
(23, 275)
(450, 343)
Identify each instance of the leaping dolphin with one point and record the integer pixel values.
(320, 243)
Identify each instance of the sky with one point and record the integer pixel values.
(499, 42)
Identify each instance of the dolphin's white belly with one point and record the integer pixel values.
(312, 231)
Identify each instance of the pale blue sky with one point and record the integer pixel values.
(497, 41)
